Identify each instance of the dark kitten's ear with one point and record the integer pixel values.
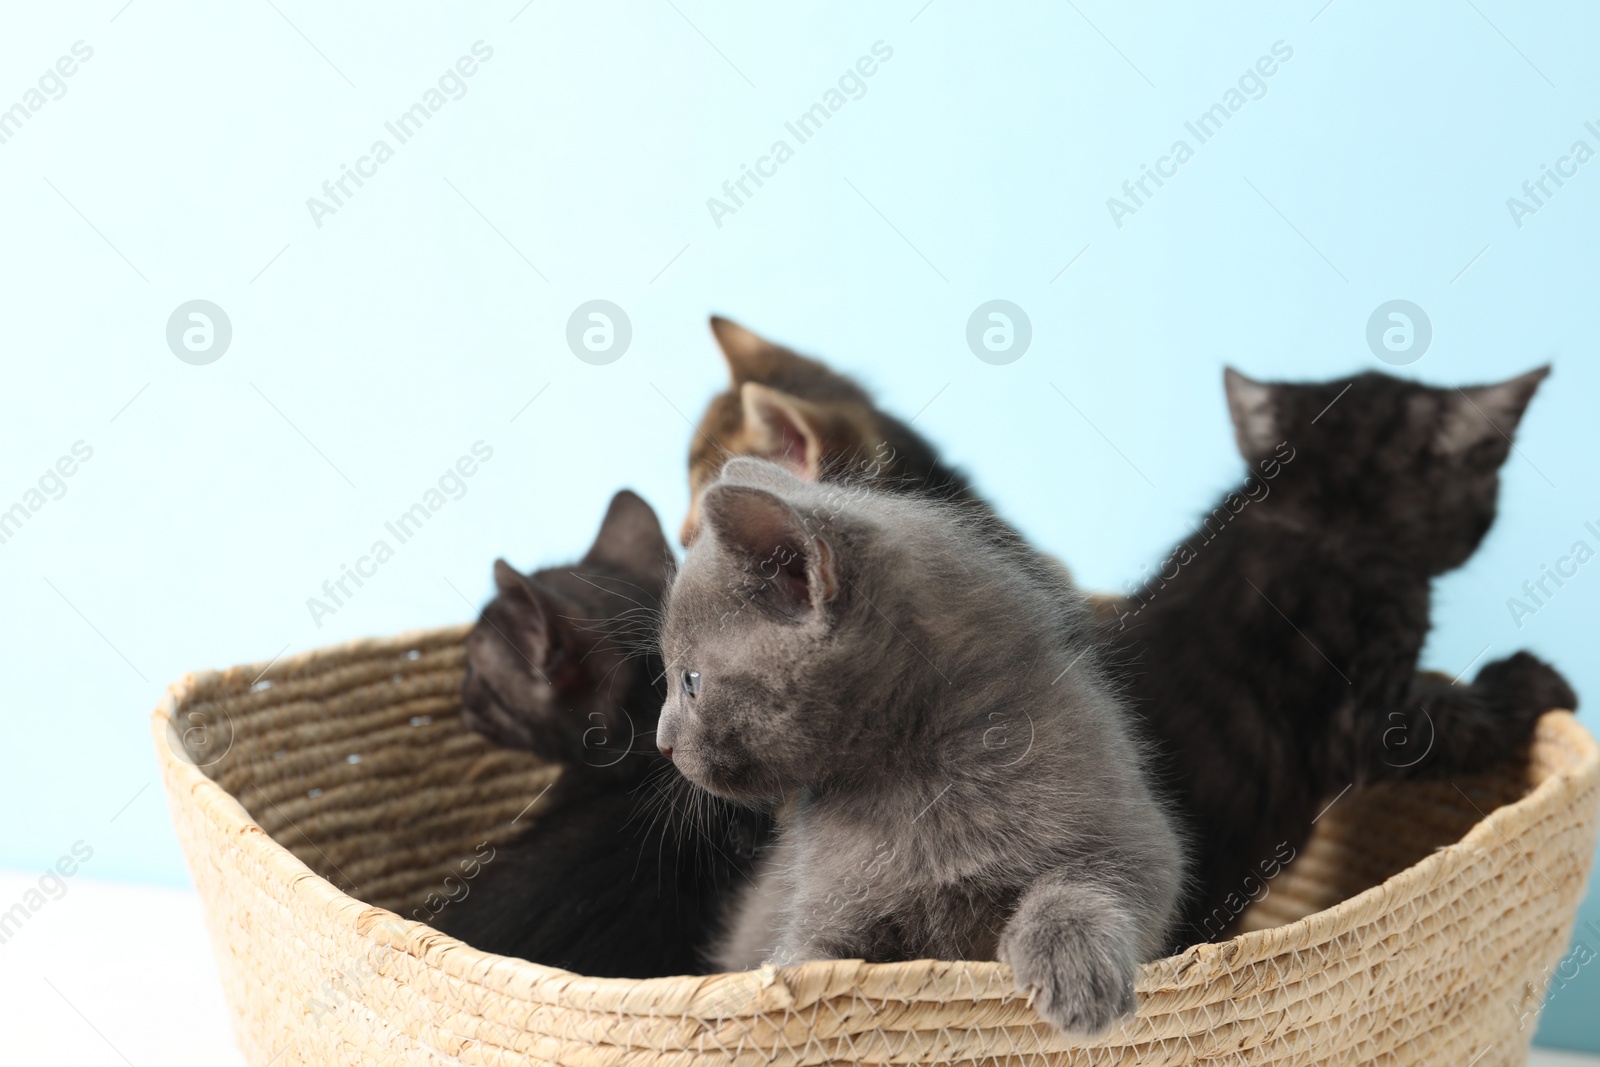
(773, 540)
(507, 579)
(751, 357)
(784, 429)
(630, 539)
(1254, 408)
(537, 632)
(1486, 412)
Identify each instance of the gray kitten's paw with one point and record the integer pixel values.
(1074, 951)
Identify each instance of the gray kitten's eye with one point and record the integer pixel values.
(691, 683)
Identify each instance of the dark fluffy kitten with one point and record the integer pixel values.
(1275, 652)
(617, 877)
(560, 662)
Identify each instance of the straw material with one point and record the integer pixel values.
(326, 801)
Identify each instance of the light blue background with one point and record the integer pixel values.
(374, 350)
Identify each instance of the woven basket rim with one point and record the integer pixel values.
(714, 994)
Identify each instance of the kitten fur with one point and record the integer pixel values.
(800, 414)
(560, 662)
(620, 875)
(1274, 654)
(1163, 665)
(959, 781)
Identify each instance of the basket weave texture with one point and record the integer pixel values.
(339, 798)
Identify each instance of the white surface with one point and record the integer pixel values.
(111, 974)
(119, 975)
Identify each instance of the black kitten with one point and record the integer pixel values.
(1274, 654)
(603, 886)
(617, 878)
(562, 662)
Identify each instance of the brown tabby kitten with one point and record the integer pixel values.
(821, 426)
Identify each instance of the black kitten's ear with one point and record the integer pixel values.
(1253, 406)
(784, 429)
(751, 357)
(507, 579)
(630, 539)
(771, 537)
(535, 620)
(1487, 412)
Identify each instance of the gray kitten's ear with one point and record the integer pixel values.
(771, 539)
(749, 470)
(1486, 412)
(630, 539)
(1254, 409)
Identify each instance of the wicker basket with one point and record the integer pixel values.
(1418, 927)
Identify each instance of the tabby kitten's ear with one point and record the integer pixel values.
(1487, 413)
(798, 569)
(751, 357)
(631, 540)
(1254, 409)
(784, 429)
(536, 632)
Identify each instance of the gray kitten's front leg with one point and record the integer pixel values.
(828, 921)
(755, 920)
(1074, 946)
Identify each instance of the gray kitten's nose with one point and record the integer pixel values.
(665, 750)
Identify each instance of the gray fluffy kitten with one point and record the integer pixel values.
(958, 781)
